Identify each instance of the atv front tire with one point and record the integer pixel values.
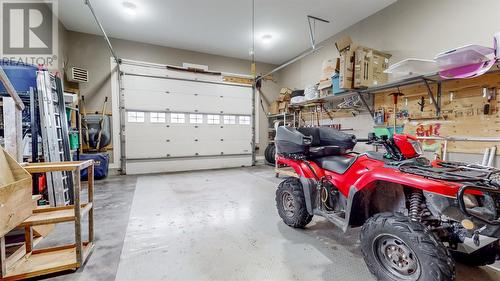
(396, 248)
(291, 203)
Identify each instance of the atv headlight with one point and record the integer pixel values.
(417, 146)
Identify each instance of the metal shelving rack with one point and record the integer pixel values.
(284, 117)
(427, 79)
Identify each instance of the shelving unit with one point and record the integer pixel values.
(432, 82)
(281, 117)
(38, 262)
(429, 80)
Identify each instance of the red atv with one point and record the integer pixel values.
(417, 217)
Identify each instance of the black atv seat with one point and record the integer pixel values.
(323, 151)
(337, 164)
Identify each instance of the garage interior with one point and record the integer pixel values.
(250, 140)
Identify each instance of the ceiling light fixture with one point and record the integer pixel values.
(130, 8)
(266, 38)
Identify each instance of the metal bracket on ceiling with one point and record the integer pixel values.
(311, 20)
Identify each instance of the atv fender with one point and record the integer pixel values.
(364, 203)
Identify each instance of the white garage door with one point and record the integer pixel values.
(179, 121)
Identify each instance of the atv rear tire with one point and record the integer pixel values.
(396, 248)
(291, 203)
(484, 256)
(269, 154)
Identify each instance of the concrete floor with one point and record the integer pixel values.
(214, 225)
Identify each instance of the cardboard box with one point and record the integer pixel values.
(283, 107)
(285, 91)
(343, 44)
(363, 70)
(380, 63)
(360, 66)
(328, 68)
(327, 83)
(346, 49)
(285, 97)
(369, 67)
(274, 108)
(346, 73)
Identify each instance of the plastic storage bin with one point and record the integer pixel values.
(22, 76)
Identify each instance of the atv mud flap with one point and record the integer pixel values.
(310, 194)
(308, 185)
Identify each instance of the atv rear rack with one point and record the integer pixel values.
(473, 175)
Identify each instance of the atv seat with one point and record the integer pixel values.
(323, 151)
(337, 164)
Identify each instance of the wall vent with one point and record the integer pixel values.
(79, 75)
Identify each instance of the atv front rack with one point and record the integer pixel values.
(461, 202)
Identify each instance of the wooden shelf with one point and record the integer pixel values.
(54, 215)
(34, 168)
(47, 261)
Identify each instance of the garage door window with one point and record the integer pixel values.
(196, 118)
(178, 118)
(244, 120)
(135, 117)
(157, 117)
(229, 119)
(213, 119)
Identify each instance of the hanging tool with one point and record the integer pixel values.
(395, 96)
(101, 122)
(490, 94)
(84, 121)
(422, 104)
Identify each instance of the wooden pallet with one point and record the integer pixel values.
(26, 261)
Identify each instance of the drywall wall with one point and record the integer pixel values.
(408, 29)
(90, 52)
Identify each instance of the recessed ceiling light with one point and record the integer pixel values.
(266, 38)
(130, 8)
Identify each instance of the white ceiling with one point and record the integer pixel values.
(221, 27)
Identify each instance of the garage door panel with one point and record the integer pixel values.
(166, 94)
(146, 84)
(173, 165)
(191, 144)
(161, 101)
